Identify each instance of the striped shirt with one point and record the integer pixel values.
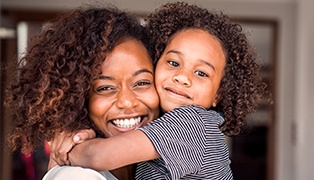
(190, 144)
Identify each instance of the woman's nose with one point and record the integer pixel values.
(126, 99)
(182, 78)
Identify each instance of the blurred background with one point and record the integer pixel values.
(279, 145)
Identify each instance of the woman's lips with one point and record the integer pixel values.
(128, 123)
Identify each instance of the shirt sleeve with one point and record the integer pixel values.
(179, 137)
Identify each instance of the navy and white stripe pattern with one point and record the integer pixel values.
(190, 144)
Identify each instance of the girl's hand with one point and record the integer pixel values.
(52, 163)
(63, 143)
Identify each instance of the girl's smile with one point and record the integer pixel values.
(190, 70)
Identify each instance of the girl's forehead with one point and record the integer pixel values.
(191, 34)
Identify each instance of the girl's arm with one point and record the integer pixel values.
(62, 144)
(114, 152)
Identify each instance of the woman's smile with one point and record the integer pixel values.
(124, 96)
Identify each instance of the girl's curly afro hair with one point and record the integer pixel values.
(241, 87)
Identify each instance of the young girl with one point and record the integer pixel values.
(205, 66)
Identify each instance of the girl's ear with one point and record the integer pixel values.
(217, 99)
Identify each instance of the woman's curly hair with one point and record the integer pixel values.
(241, 87)
(53, 79)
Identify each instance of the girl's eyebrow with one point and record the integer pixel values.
(102, 77)
(205, 62)
(208, 64)
(174, 51)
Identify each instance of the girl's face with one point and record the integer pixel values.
(124, 96)
(190, 70)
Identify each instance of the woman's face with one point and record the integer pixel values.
(124, 97)
(190, 70)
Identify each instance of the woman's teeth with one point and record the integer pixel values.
(127, 123)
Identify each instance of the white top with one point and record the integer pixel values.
(77, 173)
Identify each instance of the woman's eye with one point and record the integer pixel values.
(201, 73)
(105, 88)
(143, 83)
(173, 63)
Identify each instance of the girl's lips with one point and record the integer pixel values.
(178, 92)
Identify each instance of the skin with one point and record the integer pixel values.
(188, 72)
(121, 92)
(124, 93)
(195, 62)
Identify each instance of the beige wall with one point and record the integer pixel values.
(295, 89)
(305, 90)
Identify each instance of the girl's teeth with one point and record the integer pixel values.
(127, 123)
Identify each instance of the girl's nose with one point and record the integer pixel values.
(182, 78)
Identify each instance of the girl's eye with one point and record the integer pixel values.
(173, 63)
(201, 73)
(143, 83)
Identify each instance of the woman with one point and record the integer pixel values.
(87, 69)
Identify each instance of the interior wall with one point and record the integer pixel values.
(304, 159)
(293, 143)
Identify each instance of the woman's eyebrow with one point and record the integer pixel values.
(142, 71)
(102, 77)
